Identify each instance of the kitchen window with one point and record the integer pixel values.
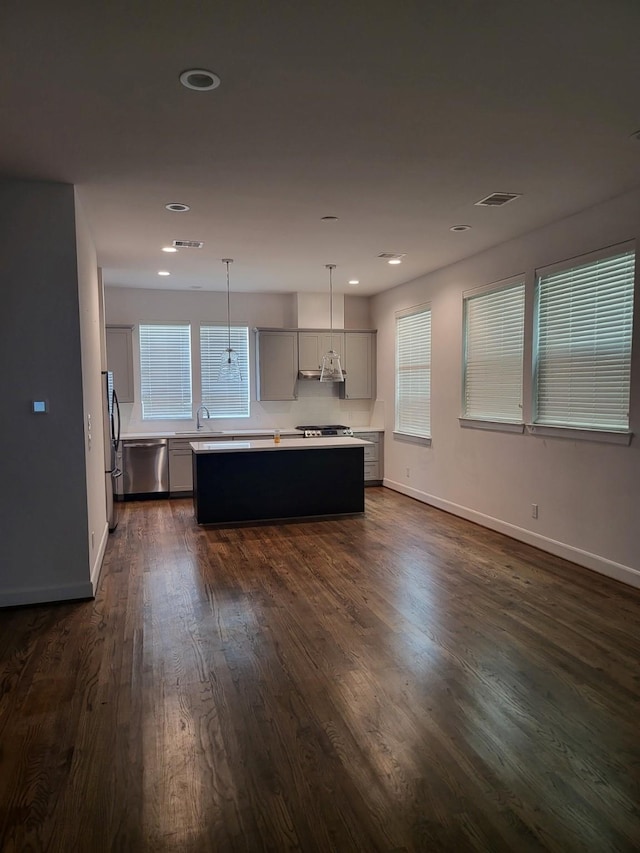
(165, 371)
(224, 399)
(582, 345)
(493, 353)
(413, 373)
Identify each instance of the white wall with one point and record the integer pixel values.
(317, 403)
(588, 493)
(44, 553)
(91, 337)
(357, 312)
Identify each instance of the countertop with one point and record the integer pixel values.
(204, 433)
(270, 444)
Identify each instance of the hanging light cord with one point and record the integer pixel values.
(227, 261)
(331, 268)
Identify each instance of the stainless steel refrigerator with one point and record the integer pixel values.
(111, 420)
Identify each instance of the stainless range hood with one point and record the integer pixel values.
(315, 374)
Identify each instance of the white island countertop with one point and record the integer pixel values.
(227, 433)
(270, 444)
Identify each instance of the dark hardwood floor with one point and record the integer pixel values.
(395, 682)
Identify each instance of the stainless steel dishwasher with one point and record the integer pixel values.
(145, 467)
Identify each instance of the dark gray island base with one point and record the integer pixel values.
(277, 482)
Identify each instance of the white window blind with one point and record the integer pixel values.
(583, 344)
(165, 371)
(493, 354)
(224, 399)
(413, 372)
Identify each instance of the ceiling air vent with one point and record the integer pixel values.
(188, 244)
(497, 199)
(390, 255)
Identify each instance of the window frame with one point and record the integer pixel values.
(494, 420)
(580, 430)
(187, 389)
(400, 426)
(245, 369)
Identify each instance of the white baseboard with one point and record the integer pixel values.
(595, 563)
(96, 568)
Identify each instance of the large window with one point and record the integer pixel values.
(493, 347)
(582, 347)
(224, 399)
(413, 372)
(165, 371)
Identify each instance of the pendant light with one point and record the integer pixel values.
(229, 364)
(331, 369)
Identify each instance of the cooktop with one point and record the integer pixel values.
(317, 430)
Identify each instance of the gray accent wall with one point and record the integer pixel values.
(44, 549)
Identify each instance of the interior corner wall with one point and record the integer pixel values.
(90, 299)
(587, 492)
(43, 510)
(357, 312)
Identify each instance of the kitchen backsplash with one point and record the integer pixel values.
(316, 403)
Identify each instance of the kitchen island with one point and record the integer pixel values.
(260, 480)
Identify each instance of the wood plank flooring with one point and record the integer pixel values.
(402, 681)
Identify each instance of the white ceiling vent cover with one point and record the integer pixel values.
(188, 244)
(390, 255)
(497, 199)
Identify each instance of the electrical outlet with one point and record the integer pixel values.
(534, 510)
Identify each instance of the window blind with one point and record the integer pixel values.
(165, 371)
(583, 344)
(224, 399)
(413, 373)
(493, 354)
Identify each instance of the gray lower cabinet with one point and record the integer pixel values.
(373, 457)
(180, 473)
(277, 365)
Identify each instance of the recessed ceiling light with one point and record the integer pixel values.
(460, 228)
(177, 207)
(169, 249)
(329, 219)
(163, 272)
(354, 281)
(199, 79)
(395, 261)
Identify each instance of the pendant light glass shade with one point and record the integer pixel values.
(331, 368)
(229, 363)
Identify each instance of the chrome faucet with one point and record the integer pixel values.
(201, 408)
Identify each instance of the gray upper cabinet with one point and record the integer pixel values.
(359, 364)
(120, 360)
(277, 365)
(313, 345)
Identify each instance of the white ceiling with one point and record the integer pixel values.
(394, 117)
